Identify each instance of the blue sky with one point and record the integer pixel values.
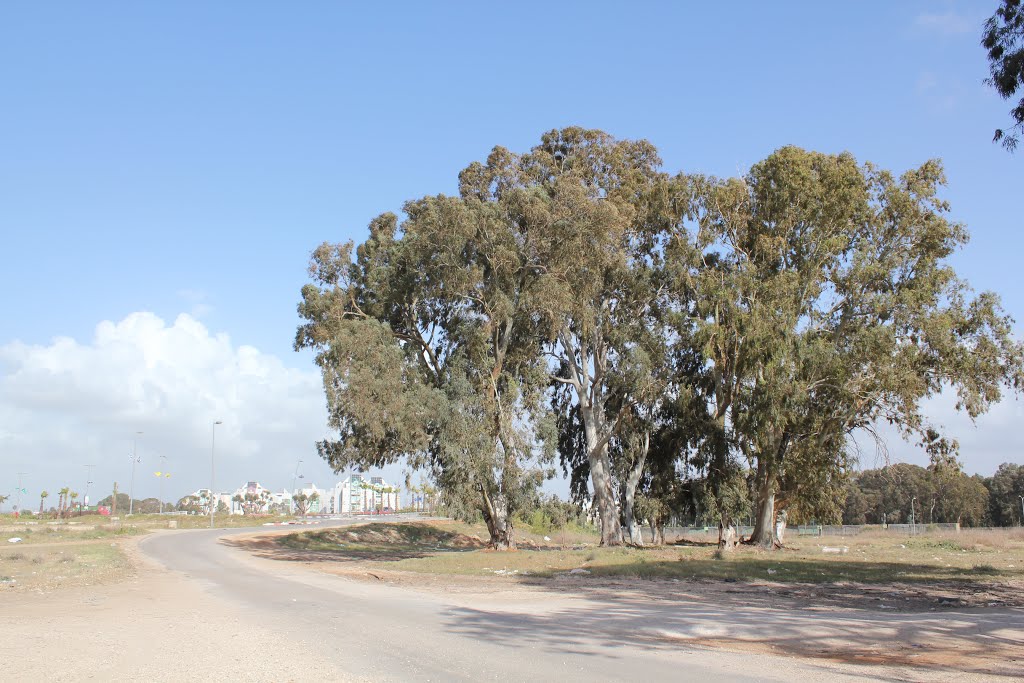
(186, 157)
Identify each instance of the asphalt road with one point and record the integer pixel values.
(386, 633)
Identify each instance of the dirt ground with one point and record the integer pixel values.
(918, 625)
(150, 626)
(944, 631)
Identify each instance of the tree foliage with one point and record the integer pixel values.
(1003, 39)
(687, 343)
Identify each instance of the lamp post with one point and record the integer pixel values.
(162, 474)
(88, 480)
(294, 477)
(135, 459)
(20, 490)
(213, 451)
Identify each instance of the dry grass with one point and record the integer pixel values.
(979, 558)
(96, 526)
(44, 567)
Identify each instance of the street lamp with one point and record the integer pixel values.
(20, 490)
(88, 480)
(135, 459)
(162, 475)
(294, 477)
(213, 447)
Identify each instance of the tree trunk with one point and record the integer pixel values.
(601, 478)
(764, 534)
(726, 529)
(726, 534)
(636, 536)
(499, 521)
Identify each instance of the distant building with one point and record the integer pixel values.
(356, 493)
(320, 505)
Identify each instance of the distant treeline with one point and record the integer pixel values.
(885, 496)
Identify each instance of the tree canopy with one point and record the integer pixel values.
(1003, 39)
(680, 341)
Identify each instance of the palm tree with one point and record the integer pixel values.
(63, 500)
(3, 499)
(385, 493)
(74, 496)
(42, 497)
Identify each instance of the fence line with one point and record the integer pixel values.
(677, 532)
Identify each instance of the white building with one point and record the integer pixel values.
(322, 504)
(358, 493)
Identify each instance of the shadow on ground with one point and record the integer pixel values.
(378, 542)
(894, 614)
(653, 616)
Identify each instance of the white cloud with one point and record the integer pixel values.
(66, 404)
(947, 23)
(69, 403)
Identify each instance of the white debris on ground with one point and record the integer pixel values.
(15, 539)
(839, 549)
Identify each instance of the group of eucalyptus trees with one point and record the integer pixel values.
(664, 336)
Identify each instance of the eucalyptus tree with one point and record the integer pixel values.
(1006, 488)
(825, 303)
(1003, 40)
(428, 346)
(597, 289)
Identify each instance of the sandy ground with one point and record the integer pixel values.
(926, 630)
(109, 631)
(159, 625)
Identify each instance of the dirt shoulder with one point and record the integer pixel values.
(974, 629)
(149, 625)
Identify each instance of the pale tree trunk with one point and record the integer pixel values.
(591, 403)
(764, 523)
(765, 526)
(499, 521)
(726, 534)
(636, 537)
(601, 478)
(657, 532)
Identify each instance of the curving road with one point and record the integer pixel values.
(382, 633)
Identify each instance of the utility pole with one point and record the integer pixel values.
(294, 477)
(88, 480)
(913, 525)
(163, 475)
(135, 459)
(19, 491)
(213, 452)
